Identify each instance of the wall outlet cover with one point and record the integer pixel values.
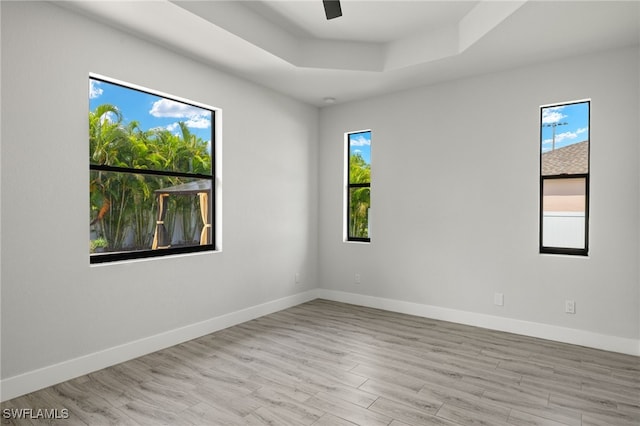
(570, 306)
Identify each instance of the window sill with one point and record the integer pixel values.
(357, 242)
(155, 258)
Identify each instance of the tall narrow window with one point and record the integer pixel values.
(564, 178)
(358, 186)
(151, 168)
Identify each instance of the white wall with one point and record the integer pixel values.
(449, 161)
(439, 153)
(55, 307)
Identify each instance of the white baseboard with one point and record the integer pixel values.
(31, 381)
(527, 328)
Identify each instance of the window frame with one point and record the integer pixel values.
(586, 176)
(350, 186)
(107, 257)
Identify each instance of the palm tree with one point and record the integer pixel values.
(105, 133)
(359, 197)
(143, 186)
(191, 156)
(107, 142)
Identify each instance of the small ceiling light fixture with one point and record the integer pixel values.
(329, 100)
(332, 8)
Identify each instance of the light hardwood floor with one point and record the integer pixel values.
(326, 363)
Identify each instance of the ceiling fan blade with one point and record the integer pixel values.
(332, 8)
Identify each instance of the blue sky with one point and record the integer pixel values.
(576, 129)
(360, 143)
(151, 111)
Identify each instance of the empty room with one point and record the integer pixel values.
(320, 213)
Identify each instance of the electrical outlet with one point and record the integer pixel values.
(498, 299)
(297, 278)
(357, 279)
(570, 306)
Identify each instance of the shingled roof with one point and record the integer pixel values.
(571, 159)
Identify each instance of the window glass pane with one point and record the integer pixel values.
(564, 208)
(565, 139)
(359, 205)
(564, 174)
(134, 129)
(151, 173)
(132, 212)
(358, 185)
(360, 157)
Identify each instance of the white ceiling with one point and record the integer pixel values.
(368, 21)
(377, 46)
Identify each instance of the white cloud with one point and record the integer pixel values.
(169, 108)
(563, 137)
(552, 115)
(360, 141)
(199, 122)
(108, 117)
(94, 89)
(195, 122)
(172, 127)
(196, 117)
(569, 135)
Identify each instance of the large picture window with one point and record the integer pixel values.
(564, 178)
(151, 168)
(358, 194)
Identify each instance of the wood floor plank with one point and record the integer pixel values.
(588, 404)
(604, 420)
(420, 401)
(475, 404)
(147, 414)
(453, 391)
(286, 389)
(205, 414)
(238, 403)
(399, 411)
(390, 376)
(331, 420)
(565, 416)
(520, 418)
(517, 397)
(556, 382)
(268, 416)
(356, 396)
(471, 417)
(300, 412)
(348, 411)
(325, 363)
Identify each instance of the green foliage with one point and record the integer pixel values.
(98, 243)
(124, 204)
(359, 197)
(359, 169)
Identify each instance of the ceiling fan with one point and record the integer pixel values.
(332, 8)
